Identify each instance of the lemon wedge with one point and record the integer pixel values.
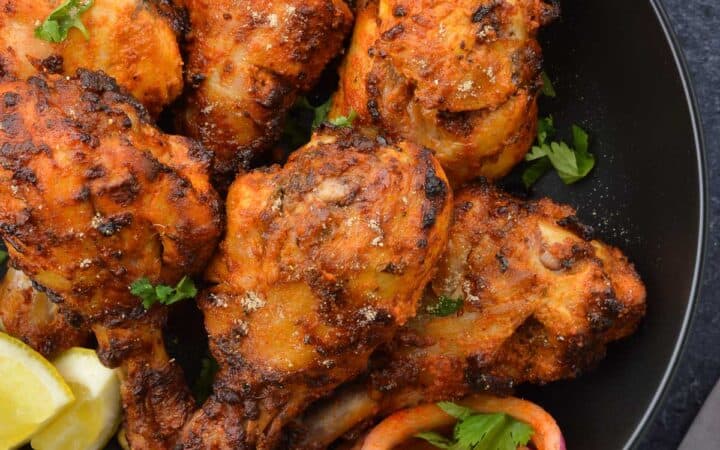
(94, 417)
(32, 392)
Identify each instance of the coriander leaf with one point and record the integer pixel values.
(477, 429)
(321, 113)
(537, 152)
(580, 139)
(571, 164)
(144, 289)
(546, 128)
(184, 289)
(535, 171)
(547, 88)
(202, 388)
(445, 306)
(161, 293)
(480, 431)
(516, 434)
(436, 439)
(455, 410)
(3, 256)
(562, 158)
(344, 121)
(60, 21)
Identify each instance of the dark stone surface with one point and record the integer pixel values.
(696, 23)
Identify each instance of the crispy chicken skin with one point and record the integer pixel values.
(93, 197)
(134, 41)
(28, 314)
(248, 61)
(322, 261)
(541, 302)
(459, 77)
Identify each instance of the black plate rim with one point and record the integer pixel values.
(661, 392)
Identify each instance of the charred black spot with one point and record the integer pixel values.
(251, 409)
(574, 224)
(11, 124)
(111, 225)
(434, 185)
(96, 81)
(125, 192)
(226, 395)
(394, 269)
(429, 216)
(604, 313)
(198, 152)
(25, 174)
(459, 123)
(196, 79)
(393, 32)
(95, 172)
(52, 64)
(399, 11)
(478, 379)
(10, 99)
(483, 11)
(422, 243)
(89, 140)
(503, 261)
(39, 83)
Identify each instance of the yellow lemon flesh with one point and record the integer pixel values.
(91, 421)
(32, 392)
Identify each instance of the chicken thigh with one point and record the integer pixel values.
(322, 261)
(248, 61)
(92, 198)
(523, 295)
(134, 41)
(460, 77)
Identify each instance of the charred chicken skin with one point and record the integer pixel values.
(134, 41)
(459, 77)
(248, 61)
(28, 314)
(322, 261)
(540, 302)
(92, 198)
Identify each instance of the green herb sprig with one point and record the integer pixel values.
(161, 293)
(479, 431)
(445, 306)
(65, 17)
(571, 163)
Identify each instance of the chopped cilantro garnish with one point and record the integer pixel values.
(161, 293)
(480, 431)
(65, 17)
(571, 163)
(548, 90)
(344, 121)
(445, 306)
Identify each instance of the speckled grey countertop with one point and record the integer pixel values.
(696, 23)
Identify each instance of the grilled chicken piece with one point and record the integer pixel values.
(92, 198)
(541, 301)
(248, 61)
(28, 314)
(322, 261)
(459, 77)
(134, 41)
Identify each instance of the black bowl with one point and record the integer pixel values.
(619, 74)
